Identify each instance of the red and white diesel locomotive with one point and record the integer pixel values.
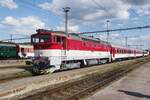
(55, 50)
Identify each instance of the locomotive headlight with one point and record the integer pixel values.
(40, 54)
(40, 59)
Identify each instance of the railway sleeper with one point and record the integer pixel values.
(55, 96)
(61, 94)
(71, 90)
(81, 86)
(91, 88)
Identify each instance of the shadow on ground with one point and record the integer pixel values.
(136, 94)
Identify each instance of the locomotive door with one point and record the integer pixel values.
(64, 49)
(112, 53)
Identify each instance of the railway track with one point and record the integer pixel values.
(14, 72)
(18, 66)
(10, 77)
(78, 89)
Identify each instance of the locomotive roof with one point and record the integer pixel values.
(73, 35)
(42, 31)
(93, 39)
(87, 38)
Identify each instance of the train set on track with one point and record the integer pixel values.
(56, 50)
(9, 50)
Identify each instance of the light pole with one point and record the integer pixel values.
(126, 41)
(66, 10)
(11, 37)
(108, 30)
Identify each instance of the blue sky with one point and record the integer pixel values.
(22, 17)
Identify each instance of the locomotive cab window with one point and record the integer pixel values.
(40, 39)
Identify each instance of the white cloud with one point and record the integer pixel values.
(141, 7)
(95, 11)
(8, 4)
(143, 10)
(10, 21)
(137, 2)
(145, 37)
(89, 10)
(24, 25)
(71, 28)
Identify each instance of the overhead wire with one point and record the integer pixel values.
(16, 39)
(119, 29)
(36, 6)
(101, 7)
(33, 8)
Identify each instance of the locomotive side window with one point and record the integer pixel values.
(57, 39)
(63, 40)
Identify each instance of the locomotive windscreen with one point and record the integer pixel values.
(40, 39)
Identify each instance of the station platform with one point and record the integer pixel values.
(134, 86)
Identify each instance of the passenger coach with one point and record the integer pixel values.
(10, 50)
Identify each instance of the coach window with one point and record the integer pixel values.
(10, 49)
(117, 50)
(84, 44)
